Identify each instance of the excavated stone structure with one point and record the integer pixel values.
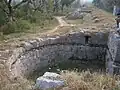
(113, 54)
(37, 54)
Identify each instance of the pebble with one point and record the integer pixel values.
(2, 66)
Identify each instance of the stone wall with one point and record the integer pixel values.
(43, 52)
(113, 54)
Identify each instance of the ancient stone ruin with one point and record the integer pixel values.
(113, 54)
(78, 14)
(43, 53)
(79, 48)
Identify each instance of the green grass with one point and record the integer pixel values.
(24, 27)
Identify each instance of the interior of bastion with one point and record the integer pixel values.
(81, 50)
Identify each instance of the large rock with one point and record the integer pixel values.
(49, 80)
(75, 15)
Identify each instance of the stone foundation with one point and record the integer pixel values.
(113, 54)
(37, 54)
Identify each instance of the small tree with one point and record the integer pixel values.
(9, 8)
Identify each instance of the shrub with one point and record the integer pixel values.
(9, 28)
(22, 25)
(14, 27)
(2, 17)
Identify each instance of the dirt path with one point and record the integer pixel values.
(61, 21)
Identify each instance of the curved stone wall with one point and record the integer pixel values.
(113, 54)
(43, 52)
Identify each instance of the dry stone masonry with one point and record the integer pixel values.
(37, 54)
(113, 54)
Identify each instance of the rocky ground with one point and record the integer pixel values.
(96, 21)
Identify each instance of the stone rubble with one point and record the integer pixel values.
(75, 15)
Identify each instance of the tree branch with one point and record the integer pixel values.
(9, 2)
(3, 9)
(23, 1)
(5, 1)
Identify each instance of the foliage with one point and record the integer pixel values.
(66, 3)
(2, 17)
(14, 27)
(17, 16)
(106, 4)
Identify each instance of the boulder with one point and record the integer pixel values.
(75, 15)
(49, 80)
(96, 20)
(2, 66)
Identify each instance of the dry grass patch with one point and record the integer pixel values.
(76, 21)
(7, 83)
(90, 81)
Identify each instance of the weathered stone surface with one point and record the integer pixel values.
(76, 15)
(44, 52)
(79, 13)
(113, 55)
(96, 20)
(114, 43)
(49, 80)
(2, 66)
(100, 38)
(88, 17)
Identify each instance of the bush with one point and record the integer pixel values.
(2, 17)
(17, 26)
(22, 25)
(9, 28)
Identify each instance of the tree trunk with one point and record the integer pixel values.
(10, 12)
(62, 7)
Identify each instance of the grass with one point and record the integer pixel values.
(84, 80)
(76, 21)
(25, 28)
(90, 81)
(8, 83)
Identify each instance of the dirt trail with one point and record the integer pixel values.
(62, 23)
